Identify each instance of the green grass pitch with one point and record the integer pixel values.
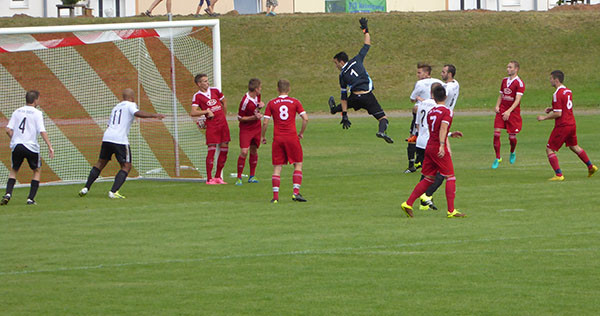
(528, 247)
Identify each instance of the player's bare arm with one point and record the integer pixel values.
(506, 113)
(144, 114)
(224, 103)
(443, 133)
(551, 116)
(47, 141)
(9, 132)
(304, 124)
(497, 109)
(263, 132)
(197, 112)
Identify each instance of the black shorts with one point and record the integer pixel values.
(21, 153)
(366, 101)
(122, 152)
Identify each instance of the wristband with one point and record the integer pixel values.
(450, 134)
(442, 143)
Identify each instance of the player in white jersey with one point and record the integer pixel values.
(451, 85)
(25, 124)
(116, 141)
(421, 92)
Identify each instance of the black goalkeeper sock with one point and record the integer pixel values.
(10, 184)
(383, 125)
(94, 173)
(410, 150)
(439, 179)
(412, 129)
(119, 180)
(33, 189)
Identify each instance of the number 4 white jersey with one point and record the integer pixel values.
(421, 121)
(26, 123)
(452, 90)
(120, 120)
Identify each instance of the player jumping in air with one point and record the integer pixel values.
(25, 124)
(565, 130)
(286, 146)
(508, 111)
(354, 76)
(116, 141)
(437, 156)
(249, 116)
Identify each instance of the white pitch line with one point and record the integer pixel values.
(345, 250)
(512, 210)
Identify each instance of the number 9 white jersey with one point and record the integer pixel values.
(26, 123)
(119, 123)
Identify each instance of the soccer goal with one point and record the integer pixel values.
(81, 71)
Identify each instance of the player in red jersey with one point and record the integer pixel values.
(437, 155)
(249, 116)
(508, 111)
(565, 130)
(210, 102)
(286, 146)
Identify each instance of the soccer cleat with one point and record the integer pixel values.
(456, 214)
(115, 195)
(592, 170)
(407, 209)
(557, 178)
(496, 163)
(512, 158)
(83, 192)
(428, 200)
(423, 207)
(385, 137)
(410, 170)
(31, 202)
(298, 198)
(211, 181)
(5, 199)
(238, 181)
(412, 139)
(252, 179)
(331, 103)
(418, 165)
(219, 181)
(274, 201)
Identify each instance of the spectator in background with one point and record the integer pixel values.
(210, 7)
(271, 4)
(148, 12)
(200, 7)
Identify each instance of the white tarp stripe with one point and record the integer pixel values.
(166, 33)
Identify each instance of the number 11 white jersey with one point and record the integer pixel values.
(26, 123)
(119, 123)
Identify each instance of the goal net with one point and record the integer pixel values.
(80, 72)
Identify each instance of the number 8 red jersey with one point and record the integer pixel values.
(282, 110)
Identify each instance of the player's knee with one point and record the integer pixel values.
(379, 115)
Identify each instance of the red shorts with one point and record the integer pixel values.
(433, 164)
(217, 134)
(248, 138)
(286, 150)
(512, 126)
(562, 135)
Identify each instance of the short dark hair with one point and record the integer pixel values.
(557, 74)
(341, 56)
(439, 93)
(516, 63)
(253, 84)
(31, 96)
(283, 85)
(451, 69)
(424, 66)
(199, 76)
(435, 85)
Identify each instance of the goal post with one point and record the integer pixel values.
(81, 70)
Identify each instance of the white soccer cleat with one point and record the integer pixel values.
(83, 192)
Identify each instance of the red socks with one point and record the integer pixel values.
(253, 163)
(221, 161)
(276, 181)
(512, 138)
(419, 190)
(450, 192)
(497, 144)
(584, 157)
(210, 158)
(240, 166)
(554, 163)
(297, 181)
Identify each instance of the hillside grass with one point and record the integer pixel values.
(300, 48)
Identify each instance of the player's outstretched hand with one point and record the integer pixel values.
(548, 110)
(540, 118)
(160, 116)
(345, 121)
(51, 152)
(363, 25)
(457, 134)
(263, 140)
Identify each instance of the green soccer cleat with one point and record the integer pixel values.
(592, 170)
(252, 179)
(512, 158)
(115, 195)
(274, 201)
(407, 209)
(5, 199)
(423, 207)
(496, 163)
(238, 181)
(427, 201)
(456, 214)
(298, 198)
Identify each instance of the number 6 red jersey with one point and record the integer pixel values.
(282, 110)
(562, 101)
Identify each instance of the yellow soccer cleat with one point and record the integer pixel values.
(407, 209)
(115, 195)
(592, 170)
(557, 178)
(456, 213)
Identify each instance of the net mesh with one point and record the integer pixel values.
(79, 85)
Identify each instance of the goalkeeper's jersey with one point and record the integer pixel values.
(354, 76)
